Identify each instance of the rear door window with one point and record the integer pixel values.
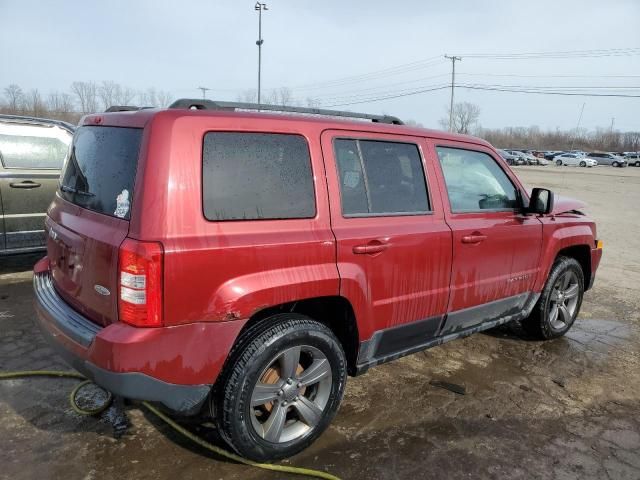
(100, 172)
(380, 178)
(257, 176)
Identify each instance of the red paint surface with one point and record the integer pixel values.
(218, 274)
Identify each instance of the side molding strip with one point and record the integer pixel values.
(370, 353)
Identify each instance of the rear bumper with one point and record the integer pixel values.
(175, 366)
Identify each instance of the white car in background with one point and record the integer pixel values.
(574, 159)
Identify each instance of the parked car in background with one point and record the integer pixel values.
(607, 159)
(510, 158)
(526, 160)
(542, 161)
(574, 159)
(550, 154)
(529, 157)
(32, 151)
(290, 253)
(633, 159)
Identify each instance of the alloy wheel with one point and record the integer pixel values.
(564, 300)
(291, 393)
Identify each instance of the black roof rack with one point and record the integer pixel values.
(199, 104)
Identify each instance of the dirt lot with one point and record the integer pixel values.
(562, 409)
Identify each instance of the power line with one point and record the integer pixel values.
(387, 97)
(544, 92)
(515, 75)
(614, 52)
(392, 95)
(384, 73)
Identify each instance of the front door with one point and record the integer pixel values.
(393, 244)
(496, 248)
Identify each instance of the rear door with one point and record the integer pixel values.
(393, 245)
(89, 218)
(31, 157)
(496, 248)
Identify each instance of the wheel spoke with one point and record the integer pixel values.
(572, 291)
(564, 313)
(289, 361)
(264, 393)
(553, 315)
(318, 370)
(309, 412)
(275, 423)
(555, 295)
(566, 280)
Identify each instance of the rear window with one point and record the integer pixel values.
(257, 176)
(100, 172)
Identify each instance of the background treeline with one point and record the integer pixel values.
(91, 97)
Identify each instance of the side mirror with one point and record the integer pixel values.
(541, 201)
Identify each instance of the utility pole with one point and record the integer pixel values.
(204, 92)
(260, 7)
(453, 83)
(577, 126)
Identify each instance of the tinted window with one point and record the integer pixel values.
(251, 176)
(475, 181)
(33, 147)
(100, 172)
(380, 178)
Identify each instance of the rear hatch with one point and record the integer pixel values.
(89, 218)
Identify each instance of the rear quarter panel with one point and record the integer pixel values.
(221, 271)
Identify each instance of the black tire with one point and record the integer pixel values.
(583, 164)
(255, 352)
(615, 164)
(539, 324)
(559, 163)
(637, 164)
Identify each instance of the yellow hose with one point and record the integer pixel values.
(212, 448)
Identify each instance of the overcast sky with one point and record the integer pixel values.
(180, 45)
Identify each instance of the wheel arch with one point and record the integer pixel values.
(335, 311)
(582, 254)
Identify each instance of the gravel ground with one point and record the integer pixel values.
(551, 410)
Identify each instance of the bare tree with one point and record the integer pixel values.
(59, 102)
(87, 95)
(34, 104)
(123, 95)
(465, 117)
(107, 93)
(164, 98)
(15, 98)
(248, 96)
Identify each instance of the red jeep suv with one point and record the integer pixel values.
(247, 262)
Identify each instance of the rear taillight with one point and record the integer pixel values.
(140, 283)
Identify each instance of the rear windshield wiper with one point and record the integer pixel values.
(66, 188)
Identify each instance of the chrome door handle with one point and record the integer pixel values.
(375, 246)
(474, 238)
